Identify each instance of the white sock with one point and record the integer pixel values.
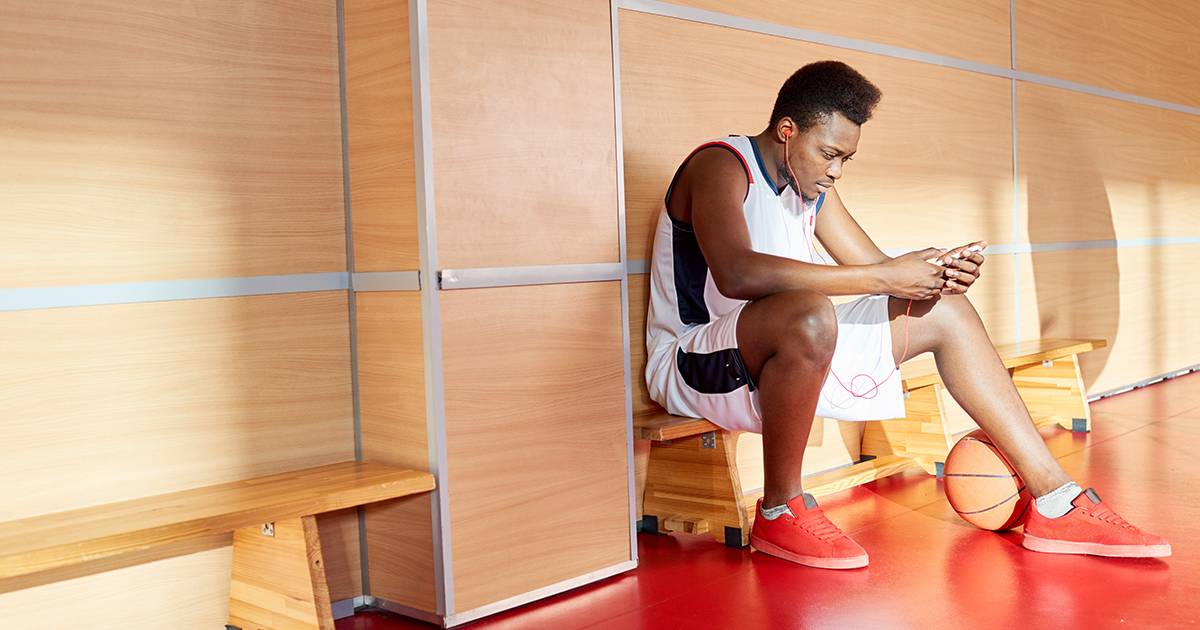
(1058, 501)
(775, 512)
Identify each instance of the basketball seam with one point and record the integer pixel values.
(1010, 498)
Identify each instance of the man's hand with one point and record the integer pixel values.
(962, 267)
(911, 277)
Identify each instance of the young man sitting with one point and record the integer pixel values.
(741, 330)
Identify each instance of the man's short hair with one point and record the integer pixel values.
(821, 88)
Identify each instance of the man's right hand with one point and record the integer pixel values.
(911, 277)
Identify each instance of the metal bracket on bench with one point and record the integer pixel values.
(268, 529)
(708, 440)
(1048, 363)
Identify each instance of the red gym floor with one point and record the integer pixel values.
(929, 569)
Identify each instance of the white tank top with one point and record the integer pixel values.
(682, 291)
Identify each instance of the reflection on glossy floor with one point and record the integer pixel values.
(929, 569)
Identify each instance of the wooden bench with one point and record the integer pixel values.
(695, 478)
(278, 574)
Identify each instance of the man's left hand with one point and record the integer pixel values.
(962, 267)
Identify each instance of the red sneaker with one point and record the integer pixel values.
(1091, 528)
(807, 538)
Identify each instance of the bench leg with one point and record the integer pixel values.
(925, 434)
(1054, 393)
(693, 486)
(278, 578)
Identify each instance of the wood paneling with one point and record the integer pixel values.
(1141, 299)
(168, 140)
(934, 166)
(391, 379)
(189, 591)
(524, 153)
(343, 559)
(394, 431)
(1136, 46)
(380, 135)
(536, 437)
(114, 402)
(400, 549)
(967, 29)
(1094, 168)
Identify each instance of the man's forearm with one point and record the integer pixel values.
(759, 275)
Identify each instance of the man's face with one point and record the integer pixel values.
(820, 152)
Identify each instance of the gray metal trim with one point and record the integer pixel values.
(351, 302)
(386, 281)
(534, 595)
(435, 404)
(33, 298)
(485, 277)
(665, 9)
(401, 609)
(345, 607)
(625, 341)
(634, 267)
(1166, 376)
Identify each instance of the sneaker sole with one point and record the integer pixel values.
(855, 562)
(1046, 545)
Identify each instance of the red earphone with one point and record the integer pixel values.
(870, 392)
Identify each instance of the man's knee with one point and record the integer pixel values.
(810, 327)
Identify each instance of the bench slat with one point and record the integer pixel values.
(52, 541)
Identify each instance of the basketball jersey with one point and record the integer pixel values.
(682, 291)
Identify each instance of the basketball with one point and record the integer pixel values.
(981, 485)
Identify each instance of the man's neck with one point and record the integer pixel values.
(773, 156)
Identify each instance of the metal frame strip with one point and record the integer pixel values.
(620, 150)
(386, 281)
(485, 277)
(33, 298)
(435, 407)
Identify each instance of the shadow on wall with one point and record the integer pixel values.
(1078, 291)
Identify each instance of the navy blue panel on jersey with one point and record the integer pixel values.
(691, 271)
(717, 372)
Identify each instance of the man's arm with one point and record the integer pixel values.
(715, 188)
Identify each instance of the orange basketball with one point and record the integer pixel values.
(981, 485)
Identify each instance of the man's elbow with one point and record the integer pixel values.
(734, 285)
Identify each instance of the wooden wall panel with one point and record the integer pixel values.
(380, 135)
(168, 140)
(967, 29)
(1095, 168)
(187, 592)
(934, 166)
(392, 407)
(339, 548)
(1142, 299)
(1139, 47)
(113, 402)
(536, 437)
(524, 153)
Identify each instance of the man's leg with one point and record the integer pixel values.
(1070, 521)
(787, 341)
(949, 327)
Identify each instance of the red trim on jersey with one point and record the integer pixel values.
(714, 143)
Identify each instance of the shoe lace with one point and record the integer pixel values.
(819, 526)
(1103, 513)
